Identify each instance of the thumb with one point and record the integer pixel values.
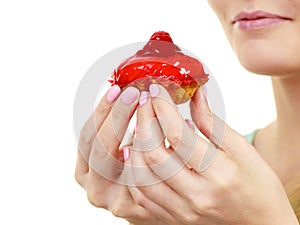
(201, 112)
(212, 127)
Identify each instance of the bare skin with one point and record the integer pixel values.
(243, 178)
(279, 142)
(269, 51)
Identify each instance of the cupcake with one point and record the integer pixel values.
(162, 62)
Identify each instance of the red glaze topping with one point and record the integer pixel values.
(163, 60)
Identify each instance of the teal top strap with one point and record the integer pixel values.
(250, 137)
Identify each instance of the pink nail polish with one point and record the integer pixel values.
(126, 153)
(204, 91)
(113, 93)
(154, 90)
(136, 127)
(143, 98)
(129, 96)
(190, 123)
(206, 101)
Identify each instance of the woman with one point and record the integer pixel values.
(226, 179)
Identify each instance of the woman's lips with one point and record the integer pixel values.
(257, 20)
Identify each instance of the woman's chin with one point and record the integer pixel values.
(268, 56)
(263, 67)
(269, 63)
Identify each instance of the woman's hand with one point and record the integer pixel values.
(221, 180)
(100, 169)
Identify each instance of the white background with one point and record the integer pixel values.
(45, 49)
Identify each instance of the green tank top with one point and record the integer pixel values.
(250, 137)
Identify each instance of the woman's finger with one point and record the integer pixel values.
(89, 132)
(148, 135)
(170, 169)
(187, 144)
(150, 206)
(216, 130)
(164, 163)
(95, 121)
(105, 148)
(81, 169)
(190, 123)
(150, 192)
(136, 173)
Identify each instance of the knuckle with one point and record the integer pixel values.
(113, 130)
(95, 201)
(175, 137)
(120, 112)
(190, 218)
(120, 208)
(229, 178)
(140, 200)
(102, 109)
(117, 210)
(101, 144)
(203, 206)
(117, 114)
(152, 157)
(95, 198)
(85, 138)
(78, 178)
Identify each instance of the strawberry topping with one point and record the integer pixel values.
(163, 60)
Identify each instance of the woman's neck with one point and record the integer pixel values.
(287, 98)
(279, 143)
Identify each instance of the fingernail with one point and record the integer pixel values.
(154, 90)
(129, 96)
(204, 91)
(205, 99)
(136, 127)
(126, 153)
(143, 98)
(190, 123)
(113, 93)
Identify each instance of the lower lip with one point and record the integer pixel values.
(258, 23)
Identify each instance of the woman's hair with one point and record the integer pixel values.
(293, 192)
